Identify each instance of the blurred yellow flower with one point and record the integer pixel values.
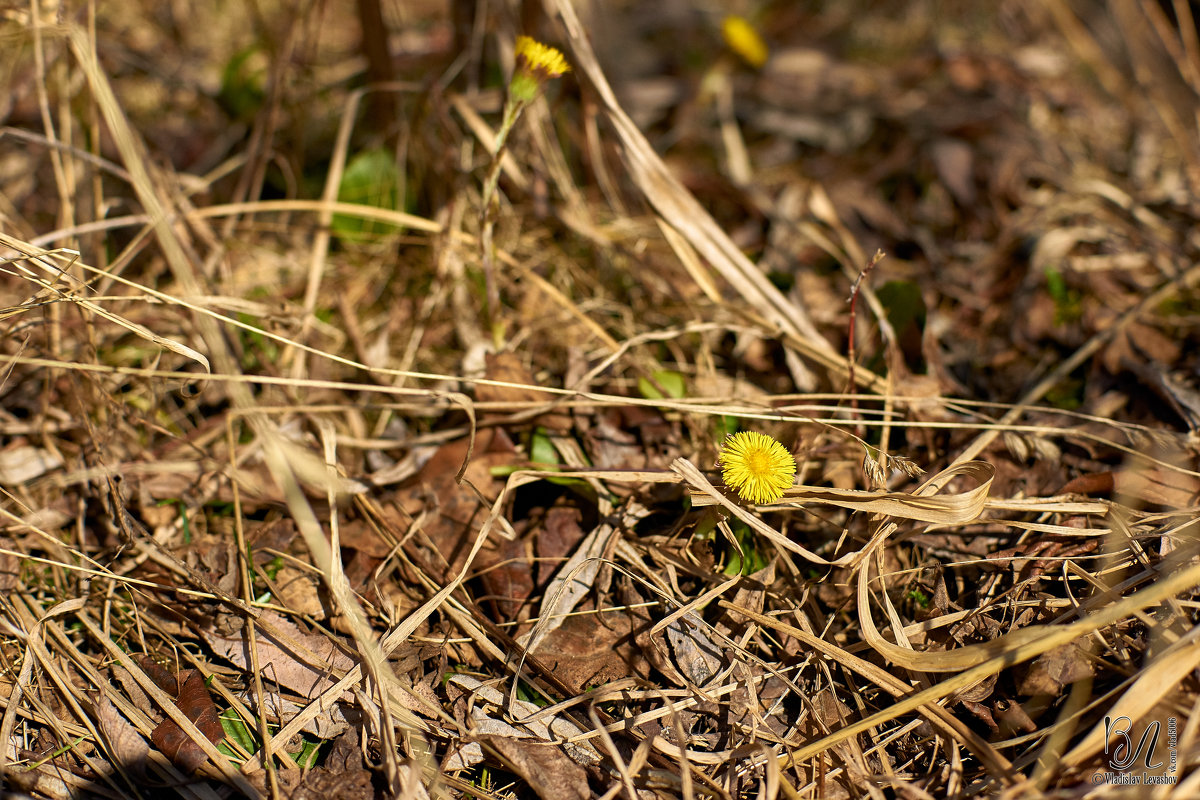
(744, 40)
(756, 466)
(536, 64)
(540, 59)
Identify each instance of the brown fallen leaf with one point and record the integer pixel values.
(132, 690)
(284, 659)
(299, 591)
(192, 698)
(507, 576)
(125, 745)
(1052, 671)
(828, 712)
(1149, 486)
(955, 164)
(1156, 486)
(557, 540)
(543, 766)
(593, 649)
(1012, 718)
(452, 510)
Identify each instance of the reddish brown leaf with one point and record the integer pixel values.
(162, 677)
(507, 576)
(356, 534)
(192, 698)
(1093, 483)
(592, 649)
(454, 509)
(1012, 718)
(558, 539)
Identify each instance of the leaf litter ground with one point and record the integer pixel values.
(308, 495)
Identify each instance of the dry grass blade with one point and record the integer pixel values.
(893, 685)
(955, 509)
(1022, 647)
(38, 257)
(1155, 682)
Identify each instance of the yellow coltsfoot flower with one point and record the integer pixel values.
(756, 466)
(540, 58)
(743, 39)
(536, 64)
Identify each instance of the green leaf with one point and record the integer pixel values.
(1068, 305)
(242, 93)
(307, 757)
(236, 730)
(904, 304)
(372, 179)
(671, 382)
(531, 695)
(541, 450)
(273, 566)
(729, 425)
(752, 558)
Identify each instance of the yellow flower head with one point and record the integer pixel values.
(744, 40)
(756, 466)
(540, 59)
(536, 64)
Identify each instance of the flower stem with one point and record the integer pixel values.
(487, 217)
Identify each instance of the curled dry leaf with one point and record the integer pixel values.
(1050, 672)
(192, 697)
(487, 703)
(696, 654)
(299, 591)
(132, 690)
